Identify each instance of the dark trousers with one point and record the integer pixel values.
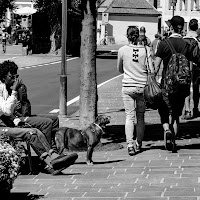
(36, 138)
(196, 83)
(47, 124)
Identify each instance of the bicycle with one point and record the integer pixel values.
(103, 41)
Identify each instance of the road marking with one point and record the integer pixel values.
(8, 58)
(77, 98)
(45, 64)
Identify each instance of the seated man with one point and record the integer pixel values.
(54, 162)
(47, 124)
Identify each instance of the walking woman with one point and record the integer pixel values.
(131, 62)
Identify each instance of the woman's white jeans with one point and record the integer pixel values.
(134, 104)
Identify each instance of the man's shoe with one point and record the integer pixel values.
(174, 149)
(131, 151)
(187, 115)
(50, 170)
(64, 161)
(168, 140)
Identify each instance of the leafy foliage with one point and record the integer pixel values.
(53, 9)
(4, 4)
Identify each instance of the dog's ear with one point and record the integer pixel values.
(108, 119)
(98, 119)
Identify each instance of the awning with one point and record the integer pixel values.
(25, 11)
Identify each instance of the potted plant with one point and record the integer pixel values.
(10, 161)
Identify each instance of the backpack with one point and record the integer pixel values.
(178, 70)
(194, 42)
(25, 108)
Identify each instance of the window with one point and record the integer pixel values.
(183, 4)
(158, 3)
(194, 5)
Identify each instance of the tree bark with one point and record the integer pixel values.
(88, 83)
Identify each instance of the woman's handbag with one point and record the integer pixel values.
(152, 90)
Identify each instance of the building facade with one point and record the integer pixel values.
(23, 21)
(188, 9)
(114, 17)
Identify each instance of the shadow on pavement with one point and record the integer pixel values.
(37, 166)
(115, 134)
(154, 132)
(100, 163)
(23, 196)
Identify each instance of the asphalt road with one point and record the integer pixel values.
(43, 83)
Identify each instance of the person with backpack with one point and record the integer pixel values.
(176, 78)
(191, 38)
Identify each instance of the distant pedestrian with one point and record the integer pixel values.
(4, 39)
(154, 45)
(191, 38)
(131, 62)
(174, 93)
(142, 35)
(29, 44)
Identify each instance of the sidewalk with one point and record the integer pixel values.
(154, 174)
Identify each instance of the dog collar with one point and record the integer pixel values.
(98, 127)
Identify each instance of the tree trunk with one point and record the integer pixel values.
(53, 42)
(88, 84)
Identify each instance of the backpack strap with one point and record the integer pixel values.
(171, 47)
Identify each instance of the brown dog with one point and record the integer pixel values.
(74, 139)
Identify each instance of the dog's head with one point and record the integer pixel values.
(102, 120)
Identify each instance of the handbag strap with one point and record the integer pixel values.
(147, 55)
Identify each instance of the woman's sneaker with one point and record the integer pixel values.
(138, 146)
(168, 140)
(131, 151)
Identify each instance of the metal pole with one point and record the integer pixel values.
(173, 9)
(173, 6)
(63, 76)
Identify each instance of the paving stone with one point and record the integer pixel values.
(183, 198)
(105, 194)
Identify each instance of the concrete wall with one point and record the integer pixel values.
(117, 26)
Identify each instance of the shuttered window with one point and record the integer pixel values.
(184, 4)
(181, 3)
(169, 4)
(194, 4)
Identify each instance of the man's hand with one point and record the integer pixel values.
(16, 84)
(18, 105)
(17, 121)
